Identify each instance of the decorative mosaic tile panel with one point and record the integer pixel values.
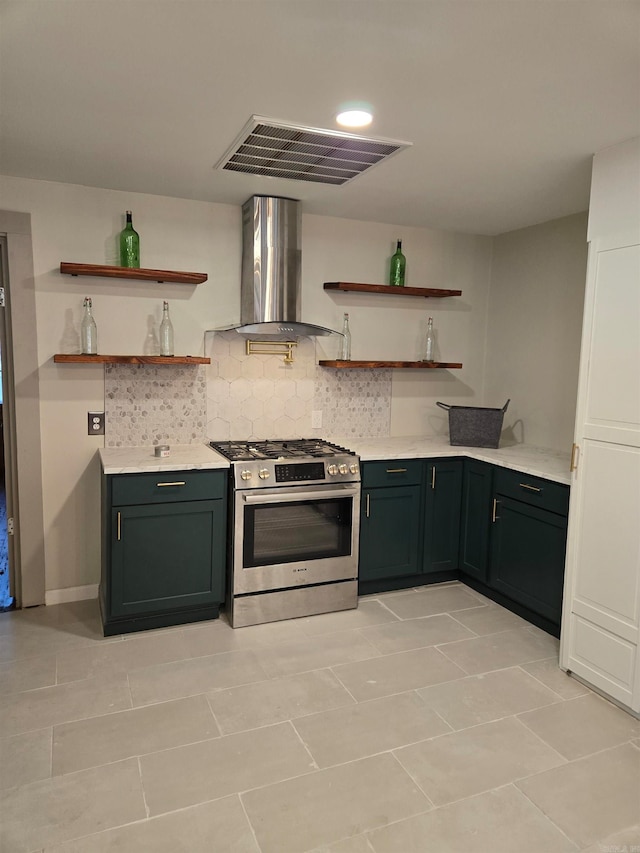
(354, 402)
(146, 404)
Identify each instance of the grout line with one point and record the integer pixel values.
(144, 796)
(248, 819)
(546, 816)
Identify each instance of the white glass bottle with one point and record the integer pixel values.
(166, 332)
(429, 343)
(345, 342)
(88, 330)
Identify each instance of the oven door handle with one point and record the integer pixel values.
(287, 497)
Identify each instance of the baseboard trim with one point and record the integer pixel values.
(71, 593)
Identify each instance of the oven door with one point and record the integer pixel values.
(295, 536)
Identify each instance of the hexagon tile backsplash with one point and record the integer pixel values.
(240, 396)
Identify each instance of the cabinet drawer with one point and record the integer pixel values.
(532, 490)
(165, 486)
(400, 472)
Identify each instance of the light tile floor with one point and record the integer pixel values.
(425, 720)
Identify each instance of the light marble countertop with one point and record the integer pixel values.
(139, 460)
(537, 461)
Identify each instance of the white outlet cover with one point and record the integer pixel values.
(316, 419)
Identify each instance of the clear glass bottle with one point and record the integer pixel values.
(429, 344)
(345, 341)
(129, 245)
(88, 329)
(166, 331)
(397, 268)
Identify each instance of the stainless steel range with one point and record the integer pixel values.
(294, 529)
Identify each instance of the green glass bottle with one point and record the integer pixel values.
(398, 265)
(129, 245)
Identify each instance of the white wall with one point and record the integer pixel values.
(615, 190)
(80, 224)
(534, 329)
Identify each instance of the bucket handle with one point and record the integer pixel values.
(446, 406)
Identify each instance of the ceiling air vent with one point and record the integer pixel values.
(278, 149)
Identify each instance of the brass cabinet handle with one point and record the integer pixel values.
(494, 516)
(177, 483)
(396, 470)
(367, 505)
(433, 476)
(575, 452)
(119, 528)
(531, 488)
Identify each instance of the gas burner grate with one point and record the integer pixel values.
(243, 451)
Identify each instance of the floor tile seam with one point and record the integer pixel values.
(531, 675)
(248, 819)
(192, 695)
(140, 755)
(541, 811)
(513, 782)
(62, 724)
(64, 721)
(565, 757)
(485, 671)
(144, 795)
(390, 750)
(491, 634)
(405, 770)
(305, 746)
(54, 779)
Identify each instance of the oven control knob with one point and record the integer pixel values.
(263, 474)
(343, 469)
(353, 468)
(332, 470)
(245, 475)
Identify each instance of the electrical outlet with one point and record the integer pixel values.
(316, 419)
(95, 424)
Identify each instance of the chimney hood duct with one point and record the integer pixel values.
(271, 265)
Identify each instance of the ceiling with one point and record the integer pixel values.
(505, 101)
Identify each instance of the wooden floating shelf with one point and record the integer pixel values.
(354, 287)
(160, 276)
(414, 365)
(64, 358)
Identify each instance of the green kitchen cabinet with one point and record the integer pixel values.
(164, 549)
(390, 521)
(443, 495)
(475, 518)
(528, 542)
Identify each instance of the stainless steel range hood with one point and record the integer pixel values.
(271, 264)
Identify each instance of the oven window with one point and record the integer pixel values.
(301, 530)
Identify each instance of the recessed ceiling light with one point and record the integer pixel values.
(354, 118)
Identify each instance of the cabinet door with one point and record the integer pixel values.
(527, 556)
(166, 557)
(475, 521)
(442, 515)
(389, 532)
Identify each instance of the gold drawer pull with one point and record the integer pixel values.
(119, 528)
(433, 477)
(531, 488)
(177, 483)
(368, 506)
(396, 470)
(494, 516)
